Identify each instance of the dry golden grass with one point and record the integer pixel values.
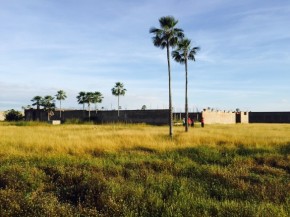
(92, 139)
(137, 170)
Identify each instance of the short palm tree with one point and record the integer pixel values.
(82, 99)
(89, 98)
(61, 95)
(182, 54)
(97, 98)
(37, 102)
(48, 105)
(118, 90)
(165, 37)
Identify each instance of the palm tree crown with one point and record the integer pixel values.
(184, 51)
(118, 89)
(97, 98)
(82, 98)
(61, 95)
(167, 35)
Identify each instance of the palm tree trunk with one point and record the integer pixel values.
(60, 109)
(83, 110)
(118, 105)
(38, 113)
(186, 98)
(89, 105)
(170, 98)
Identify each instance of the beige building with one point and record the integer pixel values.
(224, 117)
(2, 116)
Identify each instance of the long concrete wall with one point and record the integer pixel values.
(269, 117)
(160, 116)
(129, 116)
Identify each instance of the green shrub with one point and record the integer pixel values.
(12, 115)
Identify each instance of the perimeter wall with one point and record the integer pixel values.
(157, 117)
(269, 117)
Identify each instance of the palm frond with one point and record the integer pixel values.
(167, 22)
(178, 56)
(192, 53)
(173, 41)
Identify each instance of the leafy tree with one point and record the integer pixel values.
(144, 107)
(61, 95)
(48, 105)
(118, 90)
(165, 37)
(182, 54)
(12, 115)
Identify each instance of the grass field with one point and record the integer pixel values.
(136, 170)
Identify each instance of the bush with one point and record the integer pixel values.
(12, 115)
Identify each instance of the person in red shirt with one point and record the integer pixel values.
(189, 121)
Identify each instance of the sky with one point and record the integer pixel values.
(89, 45)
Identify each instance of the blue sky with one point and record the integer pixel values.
(88, 45)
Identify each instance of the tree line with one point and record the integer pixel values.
(47, 103)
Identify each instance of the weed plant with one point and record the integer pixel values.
(137, 170)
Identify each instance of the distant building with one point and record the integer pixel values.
(224, 117)
(2, 117)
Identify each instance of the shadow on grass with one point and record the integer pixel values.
(208, 155)
(285, 149)
(144, 149)
(250, 152)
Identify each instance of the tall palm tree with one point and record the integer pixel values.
(37, 102)
(118, 90)
(165, 37)
(182, 54)
(61, 95)
(82, 99)
(97, 98)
